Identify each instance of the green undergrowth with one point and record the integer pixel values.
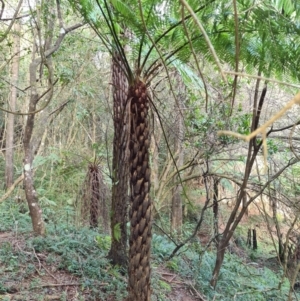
(82, 252)
(238, 280)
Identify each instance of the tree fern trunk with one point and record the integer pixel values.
(120, 169)
(140, 212)
(94, 183)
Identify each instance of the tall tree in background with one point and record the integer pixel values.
(41, 65)
(156, 43)
(9, 154)
(120, 169)
(152, 51)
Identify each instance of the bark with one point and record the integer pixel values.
(216, 209)
(30, 192)
(120, 169)
(176, 216)
(278, 231)
(9, 154)
(219, 261)
(94, 182)
(140, 211)
(254, 240)
(249, 238)
(245, 204)
(31, 142)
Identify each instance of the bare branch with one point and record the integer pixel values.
(12, 187)
(271, 80)
(12, 21)
(2, 8)
(17, 18)
(275, 176)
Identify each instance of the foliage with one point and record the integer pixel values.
(238, 280)
(268, 39)
(81, 252)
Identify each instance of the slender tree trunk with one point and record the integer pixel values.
(176, 213)
(254, 239)
(216, 209)
(249, 238)
(140, 211)
(30, 192)
(120, 169)
(9, 154)
(31, 143)
(236, 215)
(279, 234)
(155, 141)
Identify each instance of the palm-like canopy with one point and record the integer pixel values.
(261, 38)
(267, 36)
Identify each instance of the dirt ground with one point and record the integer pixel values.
(55, 284)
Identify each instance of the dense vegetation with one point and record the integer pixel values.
(149, 150)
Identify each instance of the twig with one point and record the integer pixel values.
(4, 35)
(62, 284)
(50, 273)
(262, 78)
(40, 265)
(169, 280)
(263, 129)
(197, 293)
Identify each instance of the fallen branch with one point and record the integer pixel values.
(62, 284)
(197, 293)
(11, 188)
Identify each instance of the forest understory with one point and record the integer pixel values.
(149, 150)
(71, 264)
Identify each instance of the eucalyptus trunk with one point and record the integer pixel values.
(120, 169)
(140, 211)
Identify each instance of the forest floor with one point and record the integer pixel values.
(47, 282)
(63, 266)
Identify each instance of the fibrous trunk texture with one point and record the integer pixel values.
(140, 211)
(120, 169)
(94, 209)
(216, 209)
